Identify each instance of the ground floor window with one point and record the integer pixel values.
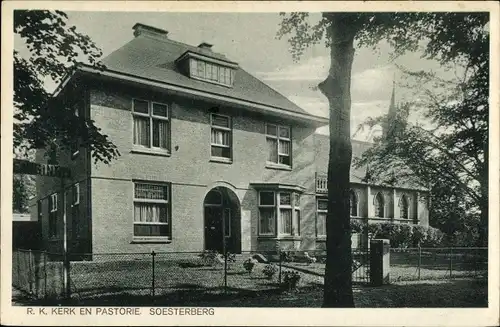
(151, 210)
(322, 210)
(279, 211)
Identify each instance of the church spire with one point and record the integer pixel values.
(391, 115)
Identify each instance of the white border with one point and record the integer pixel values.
(247, 316)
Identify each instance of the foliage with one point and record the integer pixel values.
(211, 257)
(249, 264)
(23, 190)
(357, 226)
(291, 280)
(287, 256)
(405, 235)
(53, 48)
(270, 270)
(446, 36)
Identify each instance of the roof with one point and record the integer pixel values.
(321, 145)
(153, 58)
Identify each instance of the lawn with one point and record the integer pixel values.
(460, 293)
(176, 277)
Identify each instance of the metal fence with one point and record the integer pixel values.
(437, 263)
(180, 277)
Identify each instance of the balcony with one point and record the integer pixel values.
(321, 183)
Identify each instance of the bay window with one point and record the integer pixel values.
(282, 205)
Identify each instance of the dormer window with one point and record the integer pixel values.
(211, 72)
(205, 65)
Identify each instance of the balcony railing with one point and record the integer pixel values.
(321, 183)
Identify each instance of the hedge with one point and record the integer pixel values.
(401, 235)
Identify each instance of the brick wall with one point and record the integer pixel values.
(189, 170)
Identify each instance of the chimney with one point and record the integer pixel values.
(205, 45)
(141, 29)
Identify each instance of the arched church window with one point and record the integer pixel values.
(379, 205)
(403, 207)
(353, 203)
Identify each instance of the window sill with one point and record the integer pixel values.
(271, 165)
(221, 160)
(321, 238)
(163, 153)
(280, 238)
(159, 240)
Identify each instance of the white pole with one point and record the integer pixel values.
(67, 290)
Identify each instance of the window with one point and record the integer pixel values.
(75, 210)
(353, 203)
(379, 205)
(151, 210)
(39, 210)
(53, 215)
(279, 144)
(211, 72)
(227, 222)
(322, 210)
(288, 211)
(403, 207)
(296, 222)
(151, 124)
(220, 136)
(267, 217)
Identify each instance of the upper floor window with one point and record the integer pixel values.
(379, 205)
(220, 137)
(211, 72)
(403, 207)
(353, 203)
(151, 124)
(151, 210)
(279, 144)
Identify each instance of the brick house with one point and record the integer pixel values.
(208, 152)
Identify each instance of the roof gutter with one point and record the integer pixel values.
(180, 90)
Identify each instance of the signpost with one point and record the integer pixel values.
(32, 168)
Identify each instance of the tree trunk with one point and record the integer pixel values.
(336, 87)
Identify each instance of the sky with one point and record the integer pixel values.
(250, 39)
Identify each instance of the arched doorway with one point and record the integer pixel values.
(222, 220)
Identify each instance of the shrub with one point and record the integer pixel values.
(287, 256)
(249, 264)
(290, 280)
(357, 226)
(270, 270)
(210, 257)
(405, 235)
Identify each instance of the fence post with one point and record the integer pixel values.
(44, 253)
(451, 262)
(419, 259)
(30, 272)
(225, 271)
(153, 274)
(279, 266)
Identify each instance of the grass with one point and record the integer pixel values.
(461, 293)
(182, 275)
(186, 281)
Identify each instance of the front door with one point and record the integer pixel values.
(213, 228)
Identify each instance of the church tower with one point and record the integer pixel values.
(387, 125)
